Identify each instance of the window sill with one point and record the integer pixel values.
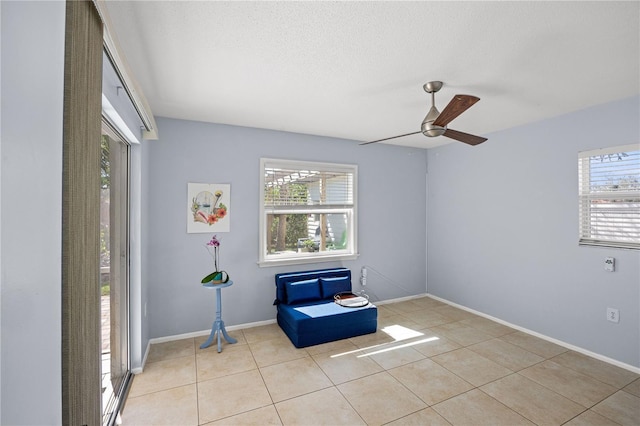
(305, 260)
(609, 245)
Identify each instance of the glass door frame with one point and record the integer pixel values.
(116, 401)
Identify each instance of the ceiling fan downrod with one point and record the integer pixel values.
(427, 128)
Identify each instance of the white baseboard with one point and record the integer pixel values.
(207, 332)
(542, 336)
(140, 369)
(402, 299)
(195, 334)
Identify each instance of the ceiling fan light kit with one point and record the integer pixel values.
(435, 123)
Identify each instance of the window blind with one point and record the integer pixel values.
(307, 212)
(296, 184)
(609, 197)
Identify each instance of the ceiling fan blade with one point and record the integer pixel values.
(392, 137)
(464, 137)
(458, 105)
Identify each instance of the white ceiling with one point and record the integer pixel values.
(355, 70)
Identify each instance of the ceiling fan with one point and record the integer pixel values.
(435, 123)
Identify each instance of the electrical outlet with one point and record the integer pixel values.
(613, 315)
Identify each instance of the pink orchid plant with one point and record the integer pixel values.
(212, 247)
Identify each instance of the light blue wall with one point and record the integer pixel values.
(138, 352)
(31, 177)
(503, 232)
(392, 220)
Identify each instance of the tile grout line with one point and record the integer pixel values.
(195, 355)
(535, 381)
(572, 366)
(273, 404)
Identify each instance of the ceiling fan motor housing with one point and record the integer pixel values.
(427, 128)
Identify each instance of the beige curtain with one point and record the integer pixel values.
(81, 384)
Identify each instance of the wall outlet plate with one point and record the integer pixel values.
(613, 315)
(609, 264)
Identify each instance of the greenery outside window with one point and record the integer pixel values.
(609, 197)
(307, 212)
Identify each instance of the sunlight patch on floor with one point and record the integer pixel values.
(398, 333)
(405, 345)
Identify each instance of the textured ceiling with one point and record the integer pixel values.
(355, 70)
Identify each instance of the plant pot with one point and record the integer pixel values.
(217, 277)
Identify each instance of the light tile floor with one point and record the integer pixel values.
(428, 364)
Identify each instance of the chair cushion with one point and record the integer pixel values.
(333, 285)
(325, 321)
(302, 291)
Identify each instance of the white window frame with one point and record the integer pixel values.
(350, 253)
(598, 229)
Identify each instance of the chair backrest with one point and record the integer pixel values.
(282, 279)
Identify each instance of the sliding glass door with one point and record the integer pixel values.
(114, 271)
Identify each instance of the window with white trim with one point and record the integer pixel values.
(307, 212)
(609, 197)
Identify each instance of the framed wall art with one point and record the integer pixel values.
(208, 207)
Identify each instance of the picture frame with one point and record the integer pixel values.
(208, 207)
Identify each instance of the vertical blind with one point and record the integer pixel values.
(609, 197)
(81, 381)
